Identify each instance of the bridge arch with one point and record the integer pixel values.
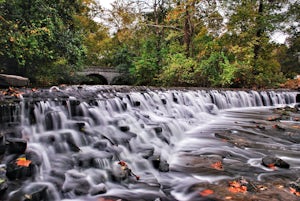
(96, 79)
(102, 74)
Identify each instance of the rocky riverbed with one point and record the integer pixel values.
(148, 145)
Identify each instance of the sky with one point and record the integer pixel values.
(105, 3)
(278, 36)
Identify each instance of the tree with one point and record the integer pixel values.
(248, 32)
(40, 38)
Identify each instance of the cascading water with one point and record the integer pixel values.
(94, 143)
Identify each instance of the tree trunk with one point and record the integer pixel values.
(258, 35)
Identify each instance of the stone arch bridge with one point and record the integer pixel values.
(103, 75)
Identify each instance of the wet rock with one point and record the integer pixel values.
(124, 128)
(34, 157)
(15, 171)
(159, 164)
(136, 103)
(82, 187)
(163, 166)
(298, 98)
(16, 146)
(145, 151)
(164, 101)
(91, 158)
(119, 172)
(270, 162)
(279, 127)
(100, 145)
(37, 192)
(3, 180)
(31, 192)
(73, 106)
(75, 180)
(295, 187)
(124, 106)
(68, 138)
(79, 126)
(158, 129)
(2, 144)
(98, 189)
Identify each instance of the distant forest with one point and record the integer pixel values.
(207, 43)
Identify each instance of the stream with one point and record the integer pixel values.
(101, 143)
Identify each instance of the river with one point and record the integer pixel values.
(102, 143)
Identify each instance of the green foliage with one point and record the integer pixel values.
(179, 71)
(38, 34)
(218, 70)
(186, 43)
(289, 57)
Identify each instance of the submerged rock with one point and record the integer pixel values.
(271, 162)
(31, 192)
(98, 189)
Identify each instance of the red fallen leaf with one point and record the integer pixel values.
(217, 165)
(23, 162)
(236, 187)
(272, 166)
(122, 163)
(294, 191)
(206, 192)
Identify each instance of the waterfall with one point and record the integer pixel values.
(79, 137)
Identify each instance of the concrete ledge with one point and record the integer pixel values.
(13, 80)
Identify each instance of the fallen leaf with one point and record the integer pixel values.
(294, 191)
(23, 162)
(122, 163)
(206, 192)
(217, 165)
(272, 166)
(236, 187)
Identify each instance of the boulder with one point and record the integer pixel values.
(271, 162)
(16, 146)
(13, 80)
(15, 171)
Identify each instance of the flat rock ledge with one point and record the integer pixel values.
(13, 81)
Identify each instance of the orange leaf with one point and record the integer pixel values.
(23, 162)
(218, 165)
(271, 166)
(294, 191)
(236, 187)
(206, 192)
